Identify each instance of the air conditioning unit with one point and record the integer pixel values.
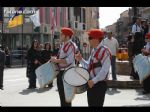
(80, 26)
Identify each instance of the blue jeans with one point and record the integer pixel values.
(113, 67)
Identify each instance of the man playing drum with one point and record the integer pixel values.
(65, 60)
(146, 52)
(98, 66)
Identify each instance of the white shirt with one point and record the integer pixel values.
(147, 47)
(112, 44)
(100, 72)
(136, 28)
(68, 56)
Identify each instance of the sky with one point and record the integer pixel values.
(109, 15)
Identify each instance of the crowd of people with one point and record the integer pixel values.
(138, 43)
(102, 57)
(36, 56)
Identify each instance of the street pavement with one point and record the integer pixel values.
(15, 93)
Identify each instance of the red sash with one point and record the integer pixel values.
(91, 67)
(65, 49)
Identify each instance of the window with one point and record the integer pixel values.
(84, 27)
(77, 13)
(84, 15)
(68, 13)
(46, 38)
(47, 15)
(61, 17)
(54, 12)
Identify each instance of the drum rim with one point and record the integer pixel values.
(71, 84)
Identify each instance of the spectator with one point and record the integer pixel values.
(113, 45)
(138, 43)
(130, 53)
(2, 64)
(33, 61)
(46, 56)
(7, 52)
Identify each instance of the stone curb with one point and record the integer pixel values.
(124, 84)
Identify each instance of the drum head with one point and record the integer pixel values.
(148, 57)
(73, 76)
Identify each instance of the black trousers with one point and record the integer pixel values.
(60, 87)
(7, 62)
(1, 76)
(133, 73)
(32, 79)
(138, 43)
(146, 84)
(96, 94)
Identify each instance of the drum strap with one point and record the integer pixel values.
(98, 64)
(65, 49)
(67, 46)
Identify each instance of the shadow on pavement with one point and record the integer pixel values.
(142, 96)
(38, 90)
(139, 91)
(41, 90)
(27, 91)
(112, 91)
(140, 105)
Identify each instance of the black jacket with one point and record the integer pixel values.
(32, 55)
(2, 58)
(45, 56)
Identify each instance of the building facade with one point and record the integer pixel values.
(80, 19)
(112, 28)
(122, 28)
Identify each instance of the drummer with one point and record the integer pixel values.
(146, 52)
(65, 60)
(98, 66)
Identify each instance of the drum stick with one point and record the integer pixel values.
(81, 75)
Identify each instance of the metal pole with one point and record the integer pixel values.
(22, 45)
(2, 29)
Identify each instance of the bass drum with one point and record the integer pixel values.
(46, 73)
(77, 77)
(142, 66)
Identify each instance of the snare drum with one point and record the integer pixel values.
(46, 73)
(77, 77)
(142, 66)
